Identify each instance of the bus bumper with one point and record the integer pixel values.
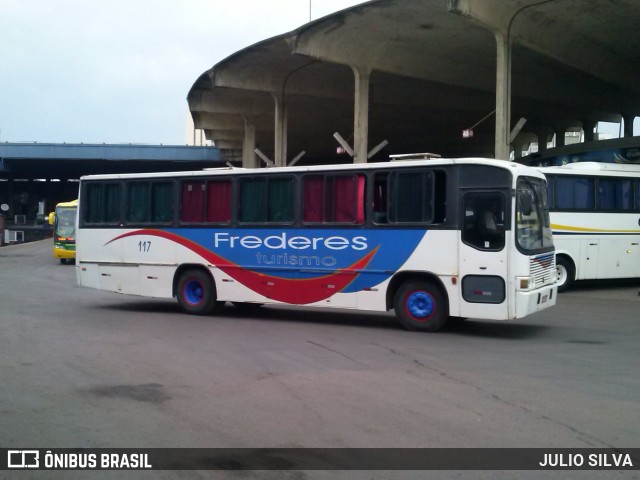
(535, 300)
(64, 251)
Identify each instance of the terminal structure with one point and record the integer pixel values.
(34, 177)
(453, 77)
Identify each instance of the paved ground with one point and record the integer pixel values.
(84, 368)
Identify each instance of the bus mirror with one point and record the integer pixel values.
(52, 217)
(526, 203)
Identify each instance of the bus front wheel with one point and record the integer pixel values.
(420, 306)
(565, 272)
(196, 293)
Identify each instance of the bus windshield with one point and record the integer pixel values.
(65, 229)
(533, 226)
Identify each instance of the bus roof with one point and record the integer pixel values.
(72, 203)
(516, 168)
(593, 168)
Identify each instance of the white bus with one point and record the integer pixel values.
(595, 217)
(431, 239)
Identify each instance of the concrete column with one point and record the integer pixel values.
(543, 138)
(280, 141)
(560, 132)
(503, 97)
(249, 145)
(587, 127)
(628, 124)
(361, 114)
(518, 146)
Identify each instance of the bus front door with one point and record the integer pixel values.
(483, 258)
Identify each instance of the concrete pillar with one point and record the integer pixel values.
(280, 141)
(361, 114)
(518, 146)
(249, 145)
(587, 127)
(543, 138)
(503, 96)
(560, 133)
(628, 124)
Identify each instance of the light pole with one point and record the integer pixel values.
(309, 10)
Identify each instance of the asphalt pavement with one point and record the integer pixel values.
(92, 369)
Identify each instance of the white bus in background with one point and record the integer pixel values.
(595, 217)
(431, 239)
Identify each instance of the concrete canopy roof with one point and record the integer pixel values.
(433, 65)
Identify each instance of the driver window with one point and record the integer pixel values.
(484, 220)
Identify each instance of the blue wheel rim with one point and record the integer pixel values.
(420, 305)
(193, 292)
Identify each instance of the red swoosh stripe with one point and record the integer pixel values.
(286, 290)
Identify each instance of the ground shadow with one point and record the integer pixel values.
(381, 320)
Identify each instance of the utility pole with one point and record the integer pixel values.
(309, 10)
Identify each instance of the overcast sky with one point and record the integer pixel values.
(118, 71)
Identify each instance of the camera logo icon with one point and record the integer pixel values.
(23, 459)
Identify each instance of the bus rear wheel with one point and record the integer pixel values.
(196, 293)
(420, 306)
(566, 273)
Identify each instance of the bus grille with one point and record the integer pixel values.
(543, 269)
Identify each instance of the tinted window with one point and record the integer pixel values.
(333, 199)
(615, 194)
(149, 202)
(574, 193)
(101, 202)
(266, 200)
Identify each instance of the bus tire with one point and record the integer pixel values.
(565, 273)
(420, 306)
(196, 293)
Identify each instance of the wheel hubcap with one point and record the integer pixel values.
(193, 292)
(420, 305)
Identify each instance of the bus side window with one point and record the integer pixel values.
(219, 201)
(149, 202)
(574, 193)
(615, 194)
(333, 199)
(417, 197)
(267, 200)
(102, 203)
(192, 202)
(137, 202)
(380, 197)
(161, 208)
(551, 191)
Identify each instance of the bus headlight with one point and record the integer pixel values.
(525, 283)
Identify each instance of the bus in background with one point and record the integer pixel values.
(431, 239)
(595, 218)
(64, 231)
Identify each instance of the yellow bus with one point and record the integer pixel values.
(64, 231)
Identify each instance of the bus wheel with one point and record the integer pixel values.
(565, 272)
(420, 306)
(196, 293)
